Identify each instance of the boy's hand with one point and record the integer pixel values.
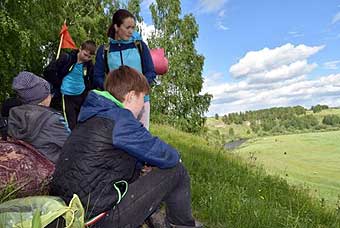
(145, 170)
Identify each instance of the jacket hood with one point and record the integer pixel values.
(98, 103)
(26, 121)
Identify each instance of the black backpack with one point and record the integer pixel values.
(51, 72)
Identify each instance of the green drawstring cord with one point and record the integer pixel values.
(120, 195)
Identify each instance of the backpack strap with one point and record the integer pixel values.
(71, 68)
(139, 46)
(105, 55)
(84, 70)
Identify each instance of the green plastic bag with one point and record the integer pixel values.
(39, 211)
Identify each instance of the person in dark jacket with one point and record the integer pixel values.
(126, 47)
(71, 77)
(103, 158)
(33, 121)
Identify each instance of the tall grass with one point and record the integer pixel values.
(227, 192)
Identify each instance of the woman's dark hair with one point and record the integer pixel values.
(117, 19)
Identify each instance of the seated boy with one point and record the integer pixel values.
(102, 160)
(33, 121)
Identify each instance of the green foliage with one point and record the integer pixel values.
(30, 32)
(216, 116)
(231, 132)
(331, 120)
(274, 120)
(25, 28)
(318, 108)
(8, 193)
(177, 100)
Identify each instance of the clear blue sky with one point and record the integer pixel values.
(267, 53)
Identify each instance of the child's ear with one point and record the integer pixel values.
(130, 96)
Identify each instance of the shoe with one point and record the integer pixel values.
(197, 225)
(157, 220)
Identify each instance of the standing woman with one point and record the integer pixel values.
(126, 47)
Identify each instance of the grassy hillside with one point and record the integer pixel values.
(320, 115)
(310, 159)
(216, 129)
(227, 192)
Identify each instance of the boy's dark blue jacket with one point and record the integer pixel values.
(107, 146)
(55, 72)
(128, 133)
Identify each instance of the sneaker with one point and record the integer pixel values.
(197, 225)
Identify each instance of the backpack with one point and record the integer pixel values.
(52, 73)
(159, 60)
(41, 211)
(138, 44)
(23, 168)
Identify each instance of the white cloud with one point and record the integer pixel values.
(332, 65)
(295, 34)
(283, 72)
(221, 13)
(221, 26)
(211, 5)
(272, 78)
(325, 90)
(336, 18)
(265, 60)
(220, 20)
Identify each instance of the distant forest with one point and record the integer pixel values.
(282, 119)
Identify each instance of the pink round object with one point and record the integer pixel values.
(160, 62)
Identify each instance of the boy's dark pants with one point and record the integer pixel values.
(171, 186)
(72, 108)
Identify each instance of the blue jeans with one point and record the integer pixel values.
(171, 186)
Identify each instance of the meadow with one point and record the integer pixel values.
(310, 160)
(229, 192)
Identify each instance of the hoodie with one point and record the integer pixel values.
(43, 128)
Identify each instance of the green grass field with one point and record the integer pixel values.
(228, 192)
(310, 159)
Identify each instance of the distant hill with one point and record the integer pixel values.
(274, 121)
